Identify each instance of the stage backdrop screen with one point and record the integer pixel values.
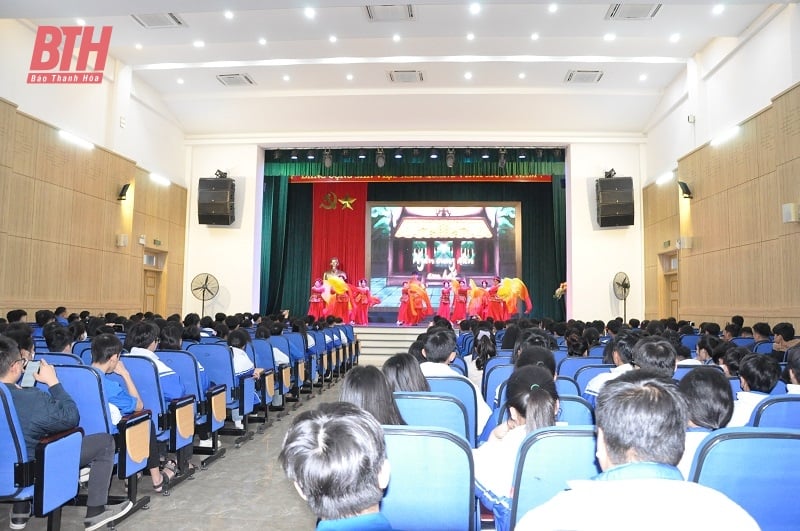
(440, 241)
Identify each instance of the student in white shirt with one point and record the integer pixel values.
(758, 374)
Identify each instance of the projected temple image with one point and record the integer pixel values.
(440, 242)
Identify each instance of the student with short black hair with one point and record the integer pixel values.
(403, 374)
(16, 316)
(58, 338)
(367, 387)
(336, 457)
(758, 374)
(784, 340)
(655, 355)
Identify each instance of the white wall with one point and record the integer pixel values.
(596, 254)
(232, 254)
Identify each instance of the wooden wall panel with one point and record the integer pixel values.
(87, 217)
(48, 260)
(85, 265)
(8, 121)
(691, 277)
(177, 208)
(120, 171)
(788, 191)
(765, 123)
(5, 176)
(770, 221)
(742, 162)
(17, 265)
(52, 212)
(790, 255)
(54, 159)
(141, 181)
(716, 286)
(651, 274)
(18, 202)
(747, 289)
(25, 144)
(709, 225)
(177, 243)
(743, 213)
(157, 229)
(787, 121)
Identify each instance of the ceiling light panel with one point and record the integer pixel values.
(390, 13)
(632, 11)
(159, 20)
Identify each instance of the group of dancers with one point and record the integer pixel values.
(333, 295)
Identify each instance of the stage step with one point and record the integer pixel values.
(381, 342)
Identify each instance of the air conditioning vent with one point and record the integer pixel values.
(583, 76)
(632, 11)
(406, 76)
(390, 12)
(236, 80)
(160, 20)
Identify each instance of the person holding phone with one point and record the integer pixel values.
(42, 413)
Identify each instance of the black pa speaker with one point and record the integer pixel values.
(614, 201)
(215, 201)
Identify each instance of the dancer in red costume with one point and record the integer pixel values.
(339, 304)
(444, 301)
(419, 304)
(402, 311)
(495, 306)
(362, 300)
(477, 301)
(460, 303)
(316, 304)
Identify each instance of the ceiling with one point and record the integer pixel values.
(515, 80)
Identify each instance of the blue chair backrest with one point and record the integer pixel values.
(569, 366)
(575, 411)
(493, 379)
(777, 412)
(319, 342)
(462, 389)
(186, 342)
(560, 355)
(13, 445)
(505, 352)
(144, 374)
(185, 365)
(83, 349)
(436, 410)
(40, 344)
(547, 459)
(427, 460)
(584, 375)
(217, 360)
(683, 370)
(282, 344)
(762, 347)
(566, 386)
(779, 389)
(743, 341)
(85, 385)
(459, 365)
(59, 358)
(494, 362)
(752, 466)
(736, 385)
(297, 345)
(690, 341)
(596, 351)
(210, 340)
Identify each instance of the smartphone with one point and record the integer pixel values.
(27, 378)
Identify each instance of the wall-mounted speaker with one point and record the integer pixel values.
(215, 201)
(614, 201)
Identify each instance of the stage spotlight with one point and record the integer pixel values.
(327, 158)
(610, 173)
(434, 153)
(362, 154)
(398, 153)
(522, 154)
(687, 192)
(485, 154)
(450, 158)
(221, 174)
(380, 158)
(538, 154)
(501, 163)
(294, 155)
(311, 155)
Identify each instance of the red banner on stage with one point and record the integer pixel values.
(297, 179)
(338, 228)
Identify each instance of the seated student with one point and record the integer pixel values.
(761, 333)
(22, 335)
(106, 357)
(641, 423)
(336, 457)
(536, 356)
(366, 387)
(758, 374)
(171, 338)
(61, 316)
(710, 405)
(655, 355)
(57, 337)
(45, 413)
(142, 340)
(415, 350)
(403, 374)
(621, 355)
(532, 403)
(484, 349)
(242, 366)
(730, 358)
(784, 340)
(439, 352)
(705, 348)
(16, 316)
(280, 357)
(42, 318)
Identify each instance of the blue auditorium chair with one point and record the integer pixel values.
(747, 342)
(547, 460)
(777, 412)
(492, 379)
(754, 468)
(265, 387)
(437, 410)
(432, 483)
(762, 347)
(58, 358)
(569, 366)
(585, 374)
(566, 386)
(690, 341)
(83, 349)
(462, 389)
(575, 411)
(48, 479)
(458, 364)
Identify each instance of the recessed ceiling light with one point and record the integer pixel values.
(138, 45)
(310, 12)
(675, 37)
(552, 8)
(198, 44)
(467, 75)
(396, 37)
(718, 9)
(332, 38)
(80, 22)
(521, 75)
(180, 81)
(474, 8)
(534, 36)
(642, 77)
(229, 15)
(349, 77)
(286, 77)
(262, 41)
(470, 36)
(608, 37)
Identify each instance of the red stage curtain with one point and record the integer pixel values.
(339, 218)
